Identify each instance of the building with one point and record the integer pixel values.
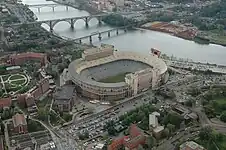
(5, 102)
(190, 145)
(65, 98)
(131, 142)
(119, 3)
(19, 123)
(157, 132)
(18, 59)
(154, 125)
(97, 53)
(153, 121)
(147, 72)
(41, 88)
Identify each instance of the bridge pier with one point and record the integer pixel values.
(109, 33)
(99, 36)
(51, 26)
(99, 20)
(86, 21)
(90, 39)
(72, 23)
(116, 31)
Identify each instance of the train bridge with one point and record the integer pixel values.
(100, 34)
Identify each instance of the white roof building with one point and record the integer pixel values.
(158, 129)
(156, 114)
(153, 121)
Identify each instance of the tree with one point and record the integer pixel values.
(171, 128)
(165, 133)
(150, 142)
(42, 114)
(223, 116)
(140, 147)
(188, 103)
(205, 133)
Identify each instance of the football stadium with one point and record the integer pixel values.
(106, 74)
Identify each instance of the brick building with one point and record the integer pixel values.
(41, 88)
(35, 93)
(18, 59)
(19, 123)
(65, 98)
(5, 102)
(131, 142)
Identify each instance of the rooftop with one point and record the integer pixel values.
(65, 92)
(153, 121)
(158, 129)
(19, 119)
(190, 145)
(98, 49)
(5, 102)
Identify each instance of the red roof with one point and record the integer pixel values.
(134, 131)
(5, 102)
(29, 54)
(132, 141)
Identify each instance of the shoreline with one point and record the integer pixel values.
(189, 39)
(90, 10)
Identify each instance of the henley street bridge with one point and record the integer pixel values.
(71, 20)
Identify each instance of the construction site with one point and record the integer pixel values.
(185, 31)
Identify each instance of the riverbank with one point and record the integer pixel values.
(77, 4)
(186, 32)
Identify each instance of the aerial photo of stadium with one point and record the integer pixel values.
(106, 74)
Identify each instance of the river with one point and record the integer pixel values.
(139, 41)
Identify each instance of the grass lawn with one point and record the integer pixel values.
(210, 146)
(44, 102)
(18, 82)
(34, 126)
(5, 77)
(218, 36)
(114, 79)
(16, 76)
(221, 101)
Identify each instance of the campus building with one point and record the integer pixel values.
(65, 98)
(19, 123)
(154, 126)
(18, 59)
(131, 142)
(5, 102)
(41, 88)
(34, 94)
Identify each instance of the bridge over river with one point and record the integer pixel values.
(71, 20)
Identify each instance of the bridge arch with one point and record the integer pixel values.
(54, 23)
